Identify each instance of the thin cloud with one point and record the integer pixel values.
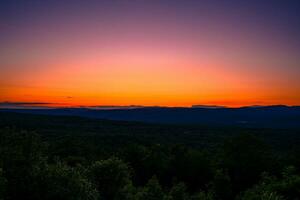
(19, 104)
(112, 107)
(9, 103)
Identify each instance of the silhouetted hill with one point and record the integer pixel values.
(258, 116)
(113, 132)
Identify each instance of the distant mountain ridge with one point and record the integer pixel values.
(276, 116)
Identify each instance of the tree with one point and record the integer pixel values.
(60, 182)
(110, 176)
(265, 195)
(21, 156)
(156, 162)
(245, 157)
(286, 187)
(221, 185)
(178, 192)
(203, 196)
(2, 185)
(128, 192)
(135, 155)
(192, 167)
(152, 191)
(198, 170)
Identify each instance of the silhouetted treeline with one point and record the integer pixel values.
(69, 167)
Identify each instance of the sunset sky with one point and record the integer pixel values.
(152, 53)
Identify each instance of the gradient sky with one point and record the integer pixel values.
(139, 52)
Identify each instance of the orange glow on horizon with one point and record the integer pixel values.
(135, 83)
(153, 54)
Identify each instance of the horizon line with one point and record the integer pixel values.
(49, 105)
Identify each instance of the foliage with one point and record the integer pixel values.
(61, 182)
(2, 185)
(203, 196)
(110, 176)
(89, 160)
(287, 186)
(178, 192)
(152, 191)
(221, 185)
(245, 157)
(264, 195)
(20, 160)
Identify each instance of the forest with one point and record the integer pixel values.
(73, 158)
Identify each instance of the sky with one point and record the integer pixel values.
(149, 52)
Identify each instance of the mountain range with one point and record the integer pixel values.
(277, 116)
